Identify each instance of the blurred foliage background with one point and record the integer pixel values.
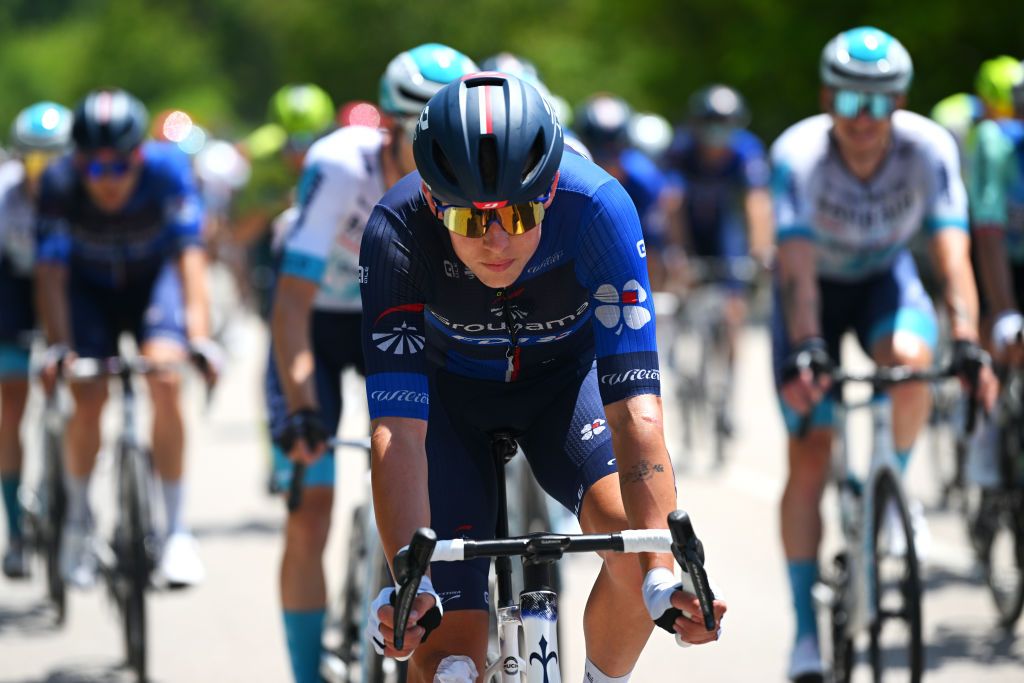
(222, 59)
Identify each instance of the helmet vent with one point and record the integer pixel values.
(534, 157)
(489, 163)
(442, 163)
(412, 95)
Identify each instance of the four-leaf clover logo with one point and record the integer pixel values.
(625, 307)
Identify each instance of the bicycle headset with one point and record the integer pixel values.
(488, 140)
(109, 119)
(866, 59)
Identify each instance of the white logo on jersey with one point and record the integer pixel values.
(451, 270)
(625, 307)
(400, 340)
(641, 249)
(591, 430)
(364, 274)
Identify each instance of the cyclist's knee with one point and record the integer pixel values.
(164, 389)
(624, 571)
(445, 668)
(462, 634)
(809, 461)
(902, 348)
(13, 396)
(89, 399)
(309, 526)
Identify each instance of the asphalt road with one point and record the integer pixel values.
(229, 629)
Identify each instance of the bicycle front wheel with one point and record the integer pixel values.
(896, 650)
(1000, 529)
(56, 505)
(133, 560)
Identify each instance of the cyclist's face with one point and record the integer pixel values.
(497, 259)
(110, 177)
(860, 135)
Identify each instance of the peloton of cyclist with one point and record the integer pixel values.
(493, 278)
(316, 319)
(851, 187)
(602, 123)
(119, 250)
(39, 133)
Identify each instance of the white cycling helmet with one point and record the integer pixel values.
(866, 59)
(414, 76)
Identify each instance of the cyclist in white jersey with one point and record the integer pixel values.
(39, 133)
(851, 187)
(316, 319)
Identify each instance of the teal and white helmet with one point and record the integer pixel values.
(415, 75)
(43, 126)
(866, 59)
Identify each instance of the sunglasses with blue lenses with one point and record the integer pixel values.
(95, 168)
(849, 104)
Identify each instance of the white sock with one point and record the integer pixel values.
(174, 494)
(591, 674)
(77, 489)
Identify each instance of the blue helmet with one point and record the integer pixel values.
(43, 126)
(414, 76)
(868, 59)
(488, 140)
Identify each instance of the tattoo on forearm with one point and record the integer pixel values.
(642, 471)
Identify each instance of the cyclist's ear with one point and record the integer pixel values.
(554, 187)
(430, 200)
(900, 101)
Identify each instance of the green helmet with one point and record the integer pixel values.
(302, 109)
(995, 81)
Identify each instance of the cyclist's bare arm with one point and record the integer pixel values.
(760, 223)
(192, 266)
(950, 252)
(645, 470)
(798, 281)
(995, 277)
(52, 302)
(402, 504)
(293, 353)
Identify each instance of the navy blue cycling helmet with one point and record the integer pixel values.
(109, 119)
(488, 140)
(602, 121)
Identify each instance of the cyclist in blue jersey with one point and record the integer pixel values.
(492, 280)
(39, 133)
(119, 251)
(852, 187)
(726, 209)
(602, 122)
(316, 320)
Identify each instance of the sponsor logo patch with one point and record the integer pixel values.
(623, 309)
(591, 430)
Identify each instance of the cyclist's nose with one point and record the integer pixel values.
(495, 238)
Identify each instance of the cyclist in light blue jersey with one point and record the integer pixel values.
(851, 187)
(39, 133)
(317, 316)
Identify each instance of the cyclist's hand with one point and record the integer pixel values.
(55, 359)
(803, 385)
(664, 594)
(424, 617)
(975, 369)
(208, 356)
(1008, 338)
(304, 436)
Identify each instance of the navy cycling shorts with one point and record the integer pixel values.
(562, 431)
(875, 308)
(726, 241)
(148, 309)
(336, 345)
(17, 320)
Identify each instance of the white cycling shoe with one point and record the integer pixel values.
(79, 559)
(180, 565)
(893, 541)
(805, 665)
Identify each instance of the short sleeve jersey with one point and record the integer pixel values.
(17, 220)
(995, 181)
(644, 183)
(341, 183)
(583, 295)
(162, 216)
(714, 194)
(860, 226)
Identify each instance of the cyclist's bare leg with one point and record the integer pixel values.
(461, 633)
(13, 395)
(616, 624)
(800, 510)
(82, 436)
(735, 315)
(911, 402)
(302, 571)
(168, 425)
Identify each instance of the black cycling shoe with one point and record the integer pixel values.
(16, 561)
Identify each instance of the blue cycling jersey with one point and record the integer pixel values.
(583, 295)
(714, 193)
(162, 216)
(644, 183)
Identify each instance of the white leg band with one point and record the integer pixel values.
(456, 669)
